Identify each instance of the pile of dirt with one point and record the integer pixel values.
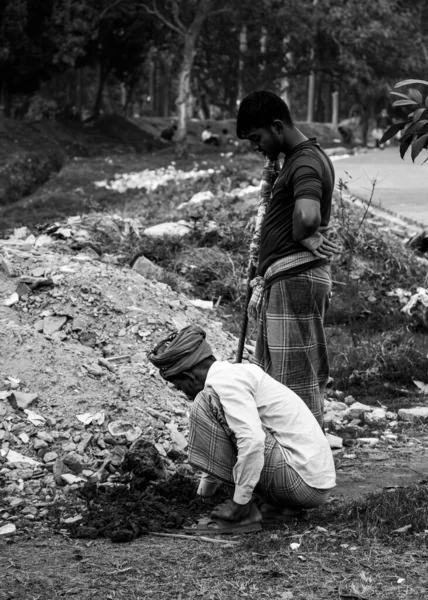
(76, 330)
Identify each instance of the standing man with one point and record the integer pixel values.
(294, 280)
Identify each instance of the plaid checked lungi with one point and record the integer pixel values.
(291, 344)
(213, 450)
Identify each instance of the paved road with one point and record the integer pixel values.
(402, 186)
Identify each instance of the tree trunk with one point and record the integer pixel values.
(79, 93)
(184, 78)
(103, 74)
(184, 88)
(243, 46)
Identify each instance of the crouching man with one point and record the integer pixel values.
(248, 431)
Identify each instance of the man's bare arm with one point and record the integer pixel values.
(306, 218)
(306, 225)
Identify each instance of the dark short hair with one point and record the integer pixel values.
(261, 109)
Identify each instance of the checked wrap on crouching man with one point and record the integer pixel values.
(247, 431)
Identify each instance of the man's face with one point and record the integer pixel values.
(266, 140)
(188, 385)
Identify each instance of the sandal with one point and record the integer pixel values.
(213, 526)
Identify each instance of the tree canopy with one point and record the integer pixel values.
(199, 57)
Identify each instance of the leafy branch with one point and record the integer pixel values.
(415, 128)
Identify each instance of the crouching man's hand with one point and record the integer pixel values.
(231, 511)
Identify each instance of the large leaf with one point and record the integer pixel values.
(393, 130)
(417, 114)
(415, 95)
(404, 103)
(418, 145)
(409, 82)
(400, 95)
(416, 127)
(405, 143)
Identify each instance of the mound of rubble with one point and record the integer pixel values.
(76, 388)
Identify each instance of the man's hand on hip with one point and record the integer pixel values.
(320, 246)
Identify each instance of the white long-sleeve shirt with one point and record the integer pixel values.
(250, 398)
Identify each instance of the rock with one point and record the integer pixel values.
(337, 405)
(29, 510)
(171, 229)
(357, 409)
(70, 478)
(82, 445)
(14, 502)
(377, 416)
(50, 457)
(368, 441)
(24, 437)
(8, 268)
(45, 436)
(53, 324)
(147, 268)
(334, 441)
(8, 529)
(177, 438)
(72, 520)
(23, 290)
(69, 447)
(34, 418)
(412, 414)
(349, 400)
(199, 198)
(21, 400)
(16, 457)
(38, 444)
(73, 462)
(13, 299)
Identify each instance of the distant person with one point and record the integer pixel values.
(226, 138)
(383, 121)
(208, 137)
(168, 133)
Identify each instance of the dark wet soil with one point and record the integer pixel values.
(141, 500)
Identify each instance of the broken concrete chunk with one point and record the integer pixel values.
(177, 438)
(34, 418)
(38, 444)
(38, 272)
(8, 529)
(69, 478)
(357, 409)
(50, 457)
(13, 299)
(8, 267)
(16, 457)
(334, 441)
(413, 414)
(21, 400)
(147, 268)
(376, 416)
(368, 441)
(53, 324)
(23, 290)
(171, 229)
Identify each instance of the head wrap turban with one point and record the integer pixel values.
(181, 351)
